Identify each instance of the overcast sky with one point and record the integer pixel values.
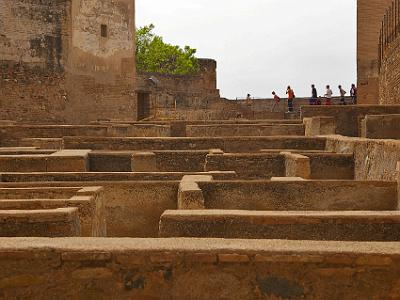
(263, 45)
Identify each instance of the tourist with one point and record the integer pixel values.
(328, 95)
(277, 100)
(353, 94)
(314, 95)
(342, 95)
(248, 99)
(291, 97)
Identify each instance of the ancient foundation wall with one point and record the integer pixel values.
(373, 159)
(348, 118)
(234, 269)
(300, 195)
(227, 144)
(381, 127)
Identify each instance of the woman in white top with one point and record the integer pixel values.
(342, 95)
(328, 95)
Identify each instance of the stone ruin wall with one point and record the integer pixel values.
(389, 78)
(57, 68)
(369, 18)
(181, 93)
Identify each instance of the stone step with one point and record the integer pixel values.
(312, 225)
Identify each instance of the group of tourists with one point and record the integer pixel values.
(315, 99)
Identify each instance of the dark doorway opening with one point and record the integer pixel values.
(143, 105)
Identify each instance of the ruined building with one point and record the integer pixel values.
(116, 187)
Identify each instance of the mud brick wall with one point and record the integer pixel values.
(181, 93)
(389, 77)
(381, 127)
(369, 17)
(164, 269)
(66, 60)
(348, 118)
(318, 195)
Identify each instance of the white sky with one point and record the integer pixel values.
(263, 45)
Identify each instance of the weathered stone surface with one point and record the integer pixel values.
(245, 269)
(340, 226)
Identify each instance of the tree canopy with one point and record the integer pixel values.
(154, 55)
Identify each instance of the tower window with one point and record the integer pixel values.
(104, 30)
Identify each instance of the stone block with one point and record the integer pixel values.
(68, 161)
(190, 196)
(297, 165)
(144, 162)
(316, 126)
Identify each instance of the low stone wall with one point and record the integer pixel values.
(373, 159)
(244, 130)
(132, 209)
(95, 177)
(381, 127)
(250, 166)
(227, 144)
(348, 118)
(331, 166)
(90, 210)
(27, 192)
(234, 269)
(61, 222)
(321, 226)
(20, 135)
(165, 161)
(300, 195)
(60, 161)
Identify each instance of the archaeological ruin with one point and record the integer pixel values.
(117, 185)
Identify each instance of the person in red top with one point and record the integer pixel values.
(277, 99)
(291, 96)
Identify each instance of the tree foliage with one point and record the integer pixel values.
(154, 55)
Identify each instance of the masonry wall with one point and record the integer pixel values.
(180, 93)
(369, 18)
(389, 77)
(55, 67)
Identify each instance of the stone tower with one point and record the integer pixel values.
(369, 17)
(67, 61)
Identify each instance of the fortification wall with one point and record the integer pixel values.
(66, 61)
(369, 18)
(171, 93)
(389, 77)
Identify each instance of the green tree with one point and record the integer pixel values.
(154, 55)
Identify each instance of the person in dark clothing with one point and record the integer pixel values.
(314, 95)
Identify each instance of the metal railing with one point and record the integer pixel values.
(390, 29)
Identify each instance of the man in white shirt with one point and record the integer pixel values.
(342, 95)
(328, 95)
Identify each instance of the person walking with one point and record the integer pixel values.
(328, 95)
(248, 99)
(314, 95)
(342, 95)
(353, 94)
(276, 100)
(291, 97)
